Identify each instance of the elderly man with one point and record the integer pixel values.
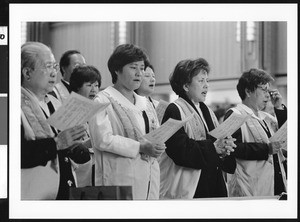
(69, 60)
(46, 153)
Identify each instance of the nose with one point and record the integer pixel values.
(206, 84)
(94, 87)
(53, 73)
(139, 72)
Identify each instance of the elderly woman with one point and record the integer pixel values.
(258, 170)
(123, 157)
(46, 154)
(86, 81)
(192, 165)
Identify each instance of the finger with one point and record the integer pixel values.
(229, 148)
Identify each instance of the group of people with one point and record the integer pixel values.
(111, 150)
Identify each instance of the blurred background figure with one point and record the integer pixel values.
(68, 61)
(123, 157)
(86, 81)
(191, 166)
(148, 84)
(47, 155)
(259, 169)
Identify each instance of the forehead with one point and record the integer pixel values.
(148, 70)
(201, 74)
(264, 85)
(76, 58)
(45, 55)
(137, 63)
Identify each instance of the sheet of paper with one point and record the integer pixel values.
(160, 109)
(76, 110)
(166, 130)
(281, 135)
(229, 126)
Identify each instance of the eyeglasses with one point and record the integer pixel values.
(51, 66)
(265, 90)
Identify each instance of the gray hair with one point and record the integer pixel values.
(30, 55)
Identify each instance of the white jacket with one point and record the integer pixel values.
(253, 177)
(117, 158)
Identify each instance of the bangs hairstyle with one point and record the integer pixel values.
(184, 72)
(251, 79)
(123, 55)
(148, 64)
(83, 74)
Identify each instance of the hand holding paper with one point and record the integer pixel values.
(281, 136)
(76, 110)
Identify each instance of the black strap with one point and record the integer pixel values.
(67, 86)
(51, 110)
(50, 107)
(266, 129)
(52, 93)
(207, 117)
(146, 121)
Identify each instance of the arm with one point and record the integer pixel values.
(80, 154)
(188, 152)
(104, 139)
(248, 151)
(36, 152)
(281, 115)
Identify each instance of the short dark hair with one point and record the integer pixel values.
(184, 72)
(148, 64)
(82, 74)
(123, 55)
(65, 59)
(251, 79)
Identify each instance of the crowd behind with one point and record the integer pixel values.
(110, 149)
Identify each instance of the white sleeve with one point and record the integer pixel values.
(103, 137)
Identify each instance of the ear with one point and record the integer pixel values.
(248, 92)
(26, 73)
(185, 87)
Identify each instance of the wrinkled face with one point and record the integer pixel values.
(197, 89)
(148, 82)
(75, 60)
(89, 90)
(41, 79)
(130, 77)
(260, 96)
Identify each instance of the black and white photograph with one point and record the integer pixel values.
(152, 111)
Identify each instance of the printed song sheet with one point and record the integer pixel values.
(229, 126)
(281, 135)
(76, 110)
(166, 130)
(160, 109)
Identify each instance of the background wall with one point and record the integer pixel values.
(229, 47)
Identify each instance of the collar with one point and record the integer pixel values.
(140, 101)
(250, 111)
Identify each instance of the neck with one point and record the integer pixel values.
(125, 92)
(40, 95)
(251, 105)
